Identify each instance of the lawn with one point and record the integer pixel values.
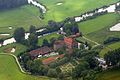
(7, 49)
(10, 71)
(48, 37)
(113, 74)
(112, 46)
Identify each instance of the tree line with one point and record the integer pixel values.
(113, 58)
(19, 35)
(8, 4)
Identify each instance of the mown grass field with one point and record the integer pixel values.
(71, 8)
(113, 74)
(98, 23)
(29, 15)
(10, 71)
(19, 17)
(98, 29)
(110, 47)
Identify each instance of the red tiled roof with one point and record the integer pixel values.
(52, 59)
(68, 40)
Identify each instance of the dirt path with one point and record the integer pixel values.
(96, 43)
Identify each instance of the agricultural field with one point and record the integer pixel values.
(10, 71)
(60, 9)
(29, 15)
(110, 47)
(95, 28)
(113, 74)
(19, 17)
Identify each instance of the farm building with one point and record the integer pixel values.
(58, 44)
(40, 51)
(52, 59)
(70, 42)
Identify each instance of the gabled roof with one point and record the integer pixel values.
(52, 59)
(40, 51)
(68, 40)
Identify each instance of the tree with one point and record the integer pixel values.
(33, 40)
(1, 41)
(52, 73)
(19, 35)
(112, 57)
(52, 40)
(61, 76)
(52, 24)
(58, 70)
(75, 28)
(80, 70)
(45, 43)
(91, 75)
(32, 29)
(61, 37)
(67, 29)
(92, 61)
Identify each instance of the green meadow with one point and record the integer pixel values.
(109, 47)
(98, 29)
(19, 17)
(29, 15)
(113, 74)
(9, 70)
(70, 8)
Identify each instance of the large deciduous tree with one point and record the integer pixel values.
(19, 35)
(80, 70)
(33, 40)
(32, 29)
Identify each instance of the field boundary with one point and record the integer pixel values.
(96, 43)
(16, 60)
